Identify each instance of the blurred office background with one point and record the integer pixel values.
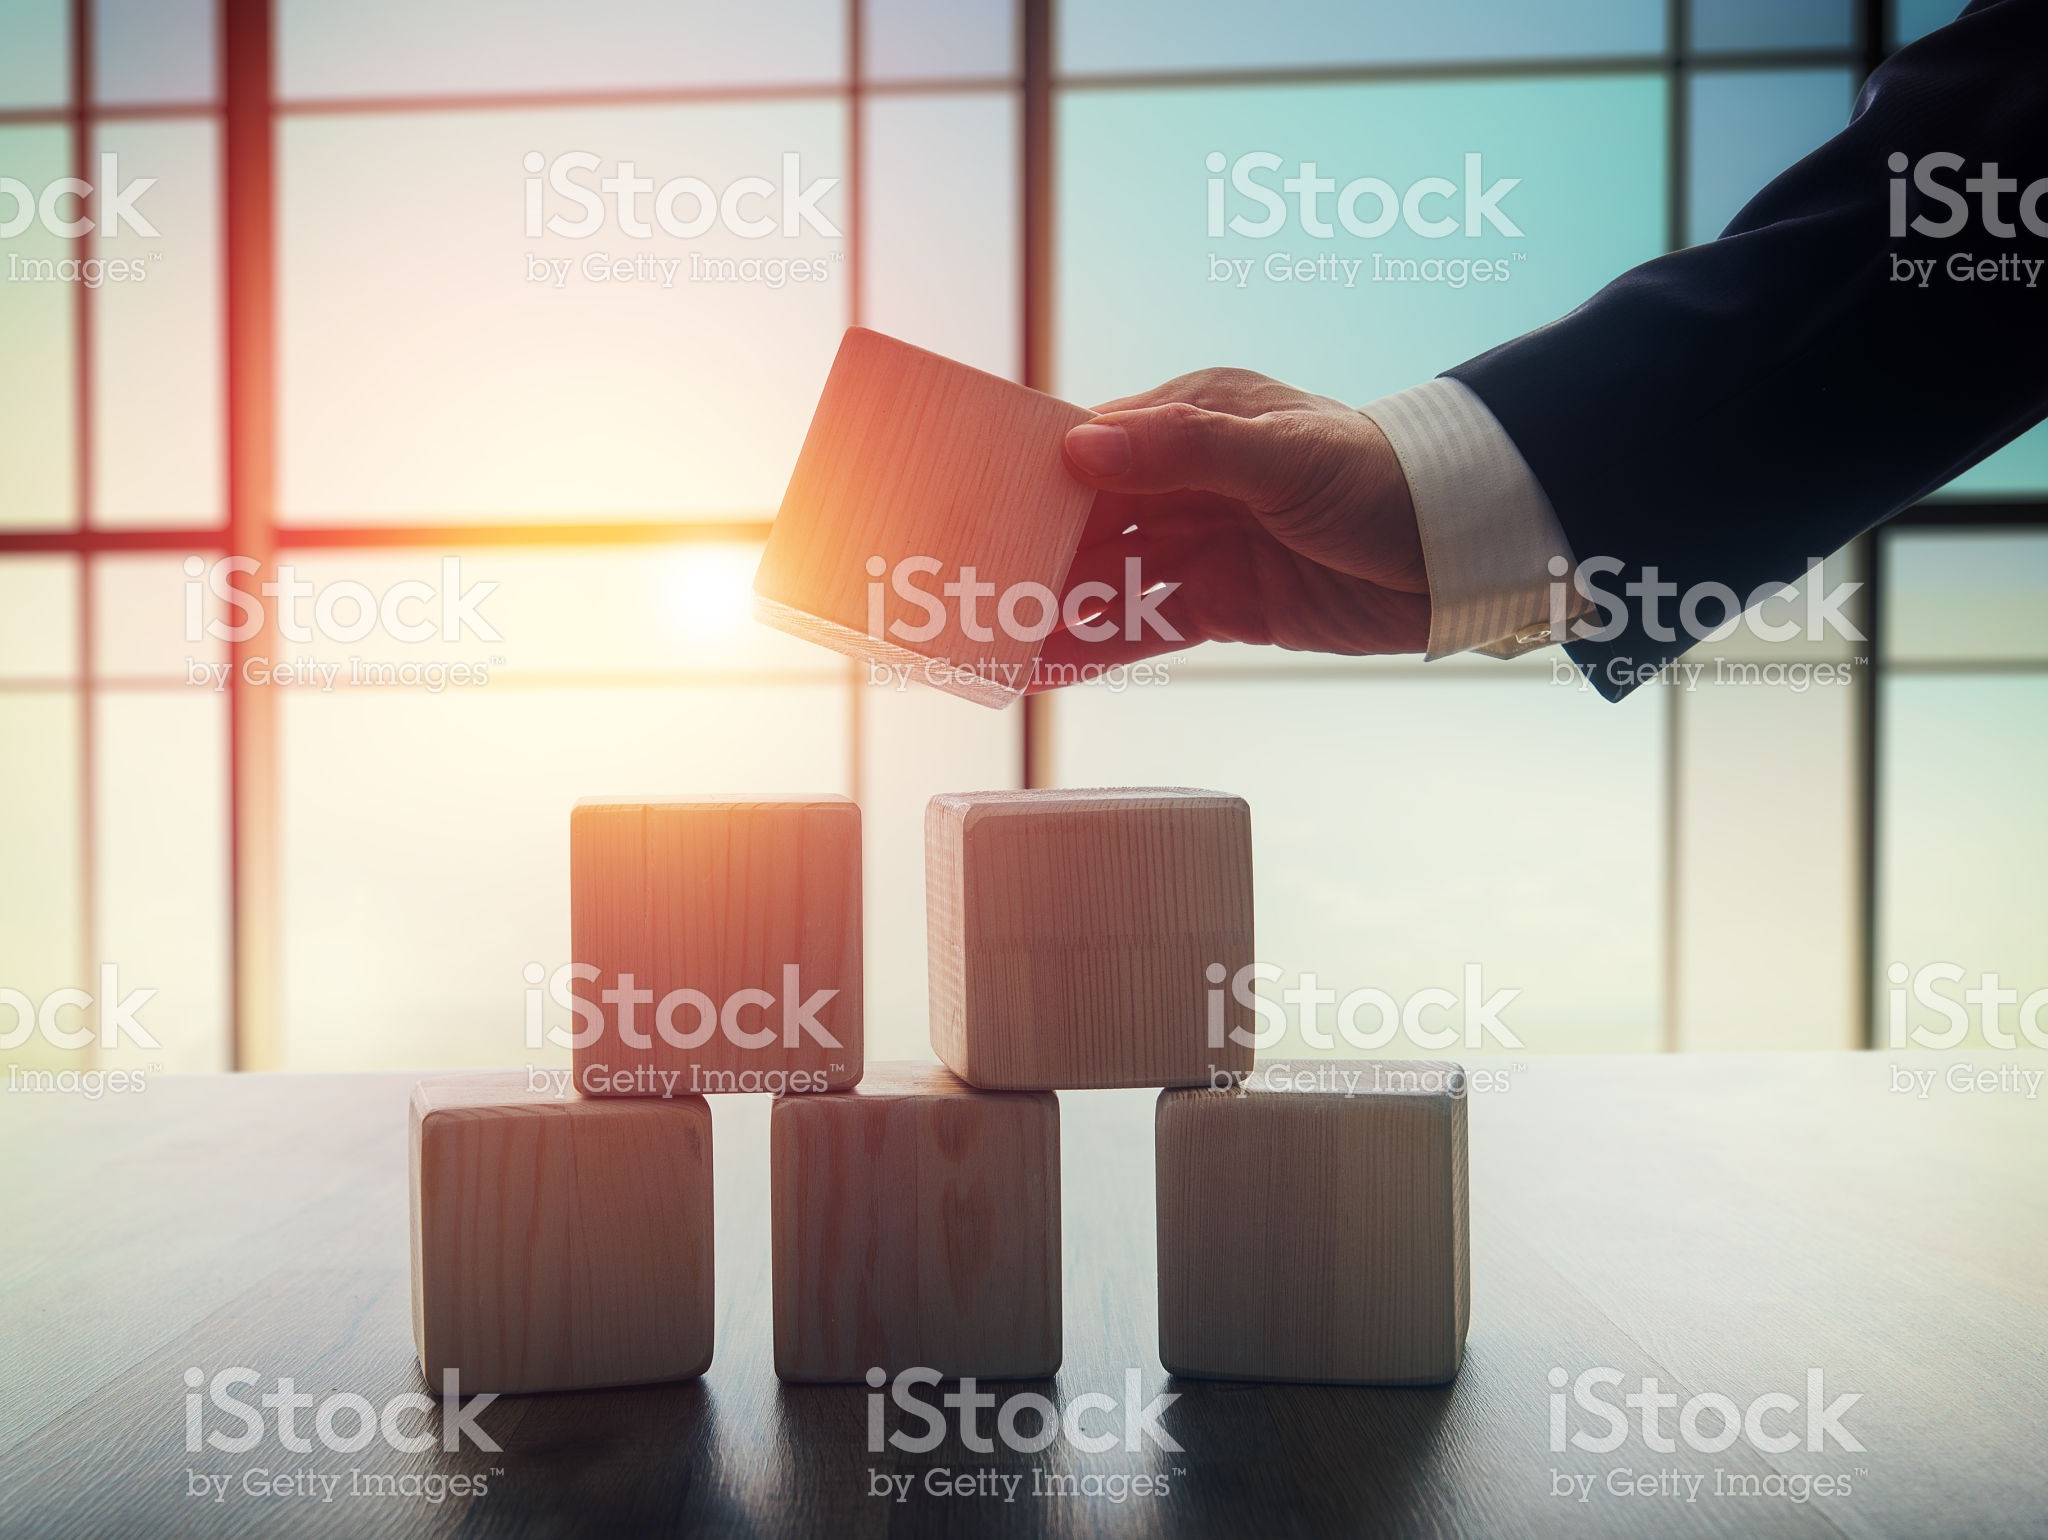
(339, 357)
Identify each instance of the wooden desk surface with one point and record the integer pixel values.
(1722, 1224)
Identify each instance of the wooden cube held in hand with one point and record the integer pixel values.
(726, 937)
(916, 1223)
(1089, 938)
(917, 473)
(558, 1243)
(1312, 1225)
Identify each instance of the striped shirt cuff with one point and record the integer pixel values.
(1489, 535)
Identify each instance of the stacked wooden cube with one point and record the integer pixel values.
(1309, 1228)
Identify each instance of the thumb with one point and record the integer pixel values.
(1176, 447)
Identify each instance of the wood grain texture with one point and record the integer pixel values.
(1071, 934)
(559, 1244)
(719, 895)
(916, 1222)
(1313, 1225)
(913, 455)
(1719, 1221)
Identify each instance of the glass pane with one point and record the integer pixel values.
(2020, 468)
(35, 53)
(1964, 842)
(446, 872)
(915, 743)
(1966, 595)
(1760, 24)
(38, 336)
(483, 375)
(1769, 912)
(162, 882)
(153, 50)
(436, 47)
(1146, 295)
(1830, 625)
(939, 39)
(150, 614)
(940, 267)
(1914, 19)
(1387, 854)
(535, 616)
(1749, 126)
(426, 849)
(157, 380)
(1217, 661)
(1119, 36)
(40, 933)
(38, 618)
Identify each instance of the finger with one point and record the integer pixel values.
(1231, 581)
(1108, 516)
(1066, 659)
(1130, 598)
(1182, 387)
(1177, 446)
(1212, 550)
(1115, 513)
(1240, 392)
(1148, 594)
(1220, 541)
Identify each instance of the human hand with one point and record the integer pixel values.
(1283, 517)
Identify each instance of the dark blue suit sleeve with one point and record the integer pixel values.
(1725, 412)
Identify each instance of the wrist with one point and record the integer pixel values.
(1387, 516)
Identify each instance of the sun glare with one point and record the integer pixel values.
(707, 596)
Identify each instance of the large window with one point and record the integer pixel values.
(518, 443)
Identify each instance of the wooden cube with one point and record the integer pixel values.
(916, 1222)
(1088, 938)
(558, 1243)
(1312, 1225)
(726, 935)
(914, 458)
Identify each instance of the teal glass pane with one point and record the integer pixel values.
(2019, 469)
(1913, 19)
(1970, 595)
(1141, 36)
(153, 50)
(38, 336)
(1747, 127)
(1963, 843)
(35, 53)
(431, 47)
(1146, 293)
(1740, 25)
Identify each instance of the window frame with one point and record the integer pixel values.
(247, 110)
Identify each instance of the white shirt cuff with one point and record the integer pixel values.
(1490, 539)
